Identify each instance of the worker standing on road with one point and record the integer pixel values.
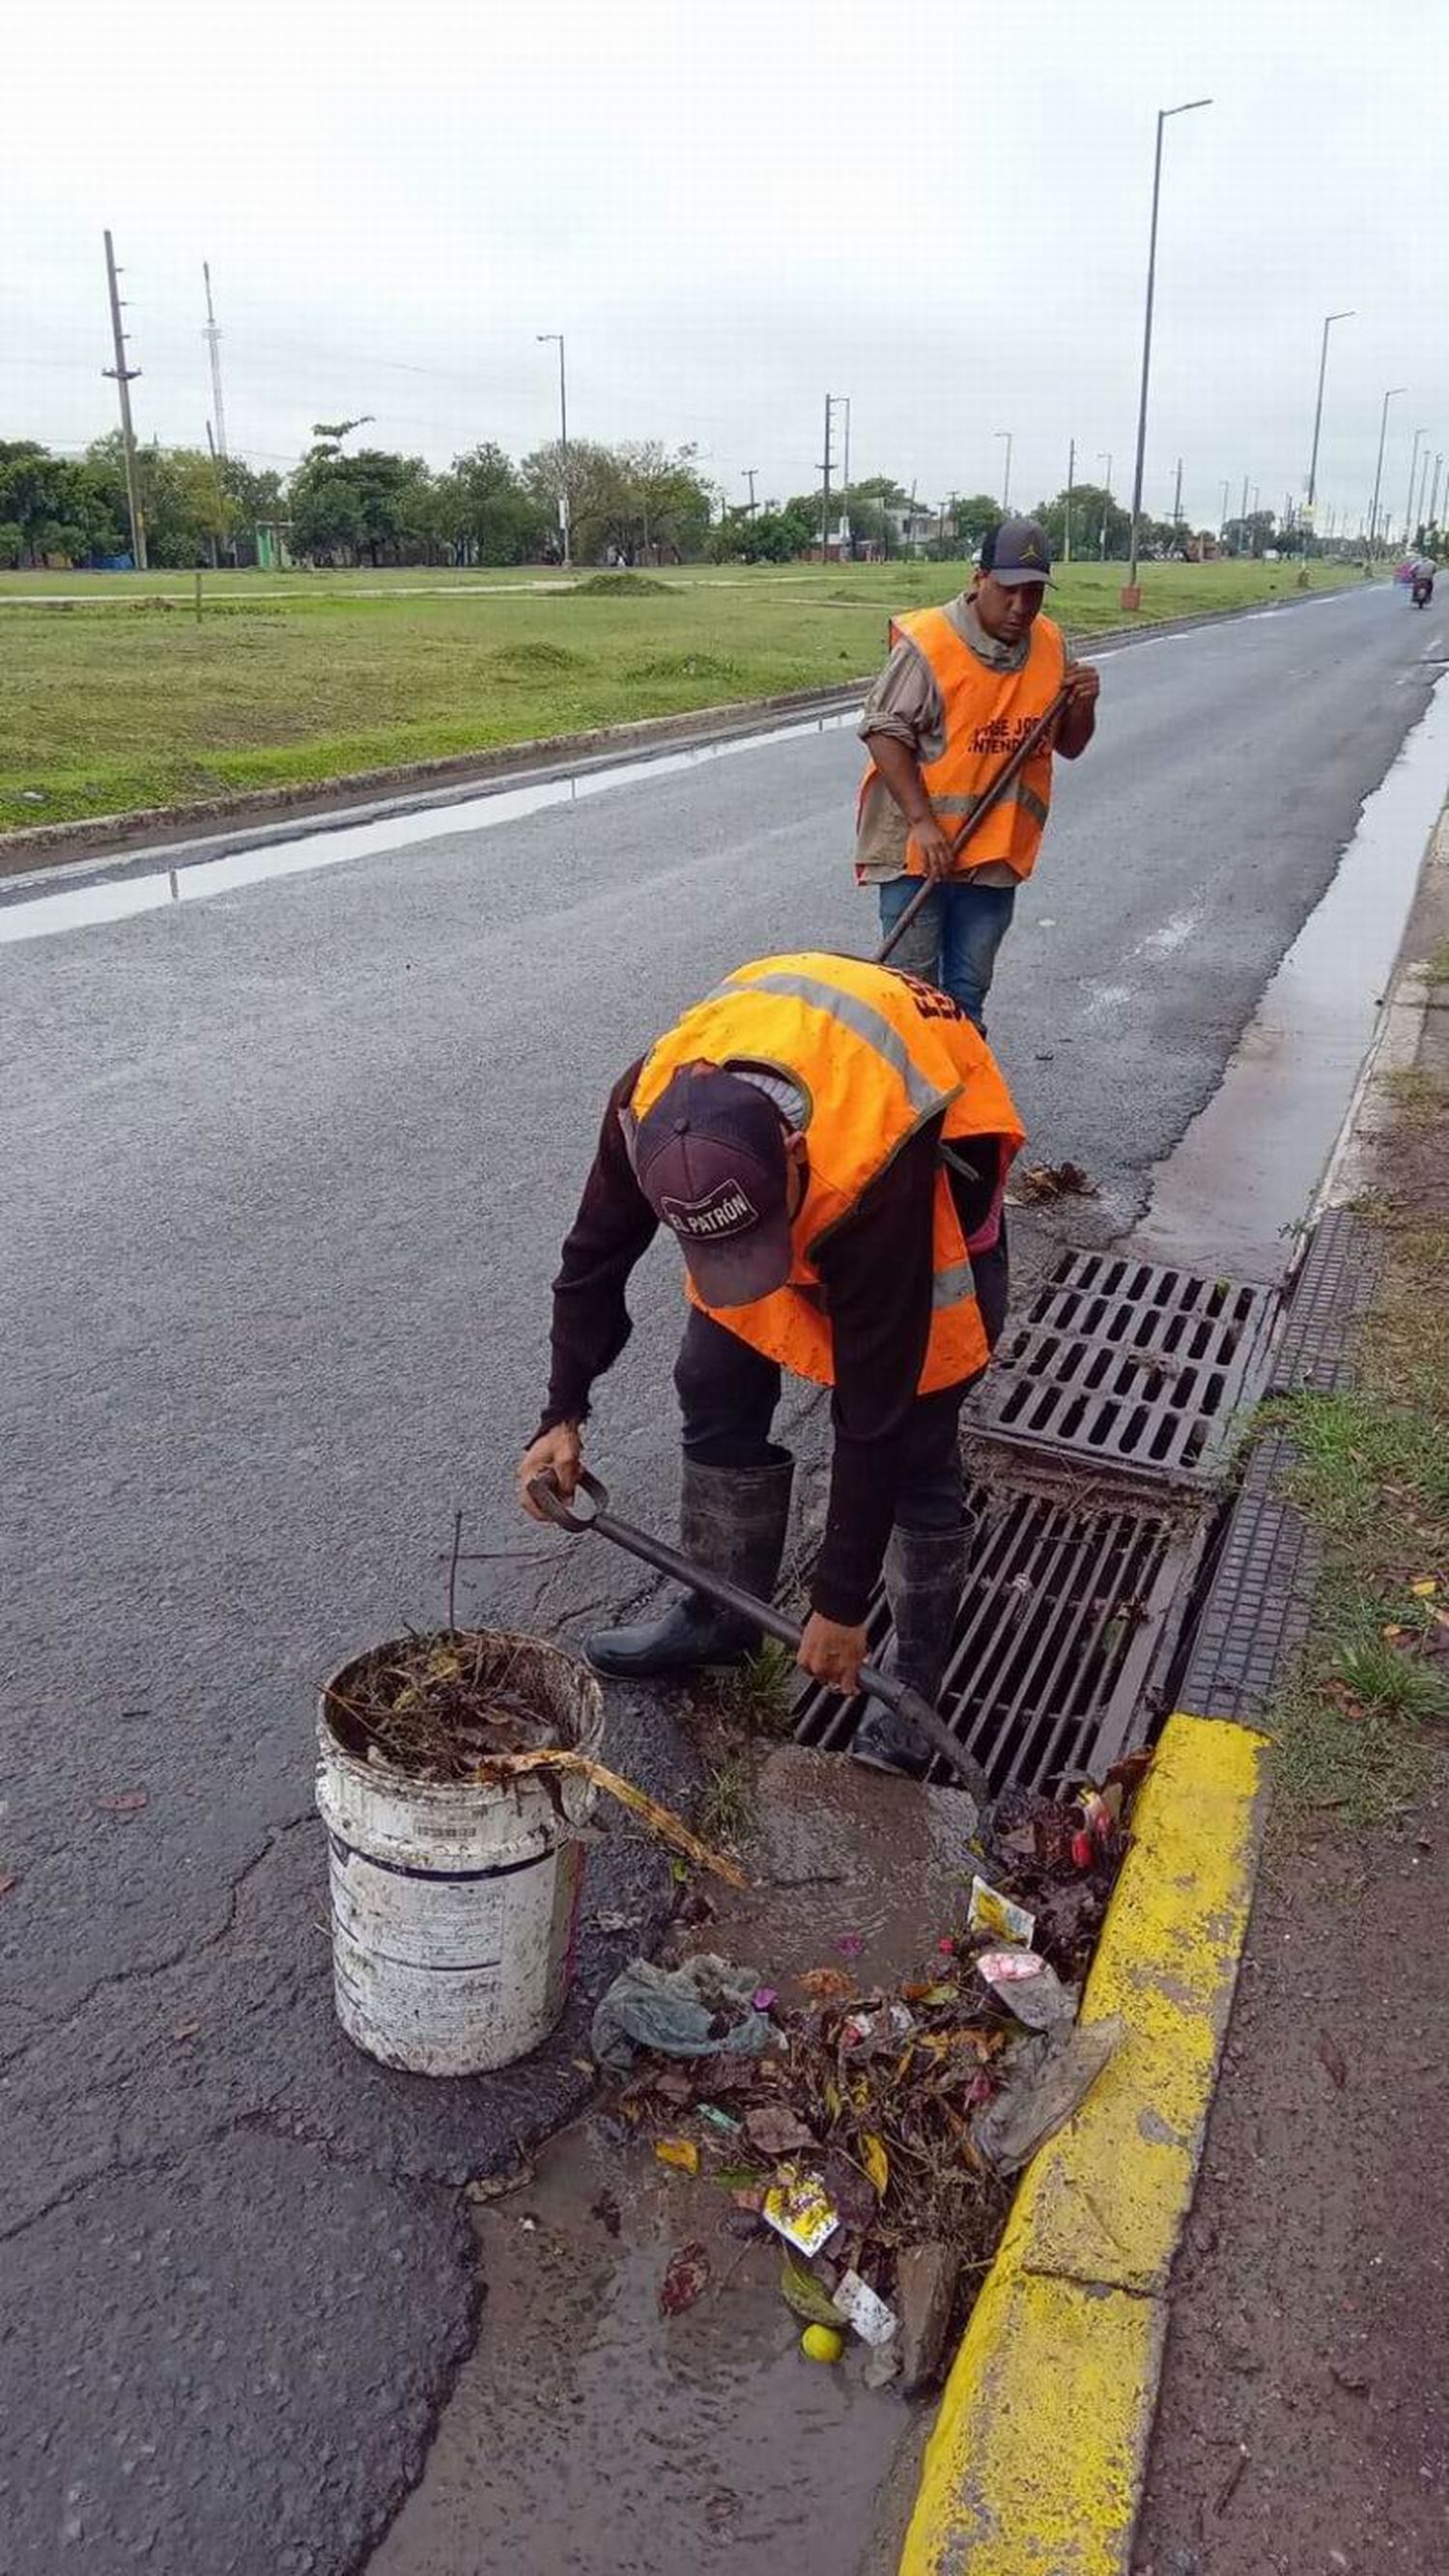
(963, 686)
(829, 1143)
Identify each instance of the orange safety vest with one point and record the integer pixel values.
(987, 714)
(877, 1054)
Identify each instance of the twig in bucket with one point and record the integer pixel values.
(660, 1820)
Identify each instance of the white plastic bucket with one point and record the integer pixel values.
(454, 1909)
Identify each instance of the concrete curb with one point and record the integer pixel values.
(1036, 2463)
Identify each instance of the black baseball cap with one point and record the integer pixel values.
(1017, 552)
(710, 1159)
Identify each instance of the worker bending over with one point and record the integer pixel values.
(829, 1142)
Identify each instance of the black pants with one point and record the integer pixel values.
(728, 1394)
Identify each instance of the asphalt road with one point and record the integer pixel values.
(284, 1174)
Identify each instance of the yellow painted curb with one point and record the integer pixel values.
(1035, 2463)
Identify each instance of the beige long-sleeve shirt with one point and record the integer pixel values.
(906, 703)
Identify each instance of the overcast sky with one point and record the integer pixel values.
(940, 211)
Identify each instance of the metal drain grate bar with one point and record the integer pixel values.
(1259, 1604)
(1062, 1619)
(1127, 1362)
(1332, 1292)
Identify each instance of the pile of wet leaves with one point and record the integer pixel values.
(874, 2131)
(437, 1706)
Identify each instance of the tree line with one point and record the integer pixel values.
(636, 503)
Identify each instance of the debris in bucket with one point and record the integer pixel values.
(450, 1710)
(437, 1706)
(873, 2130)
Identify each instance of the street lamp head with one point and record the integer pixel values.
(1186, 108)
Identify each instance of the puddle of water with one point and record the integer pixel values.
(586, 2431)
(79, 906)
(589, 2432)
(1245, 1172)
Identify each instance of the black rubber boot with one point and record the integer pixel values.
(732, 1520)
(924, 1571)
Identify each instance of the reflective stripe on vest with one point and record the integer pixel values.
(876, 1056)
(986, 714)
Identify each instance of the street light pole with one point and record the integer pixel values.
(1328, 321)
(1409, 504)
(1132, 596)
(1067, 519)
(563, 437)
(1433, 518)
(1393, 391)
(1106, 505)
(1006, 478)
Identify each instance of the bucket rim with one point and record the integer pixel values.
(587, 1737)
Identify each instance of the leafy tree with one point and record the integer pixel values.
(487, 515)
(968, 521)
(1093, 512)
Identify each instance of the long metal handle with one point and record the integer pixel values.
(907, 1703)
(974, 821)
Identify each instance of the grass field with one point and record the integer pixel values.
(113, 696)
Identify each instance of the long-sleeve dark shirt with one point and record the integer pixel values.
(875, 1270)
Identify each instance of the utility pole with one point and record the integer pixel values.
(1006, 477)
(1177, 497)
(1419, 519)
(825, 483)
(749, 472)
(1379, 468)
(124, 377)
(1243, 518)
(1433, 518)
(1131, 595)
(565, 530)
(1223, 521)
(212, 336)
(1067, 517)
(845, 494)
(1106, 505)
(911, 522)
(221, 511)
(1409, 504)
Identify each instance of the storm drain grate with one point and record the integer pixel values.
(1331, 1294)
(1061, 1625)
(1128, 1363)
(1256, 1615)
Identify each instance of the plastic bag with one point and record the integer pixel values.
(677, 2010)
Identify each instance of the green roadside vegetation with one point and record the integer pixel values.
(1361, 1723)
(115, 696)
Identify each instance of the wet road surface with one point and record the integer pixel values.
(285, 1170)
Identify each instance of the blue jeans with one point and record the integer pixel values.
(952, 942)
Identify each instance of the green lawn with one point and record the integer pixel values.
(123, 699)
